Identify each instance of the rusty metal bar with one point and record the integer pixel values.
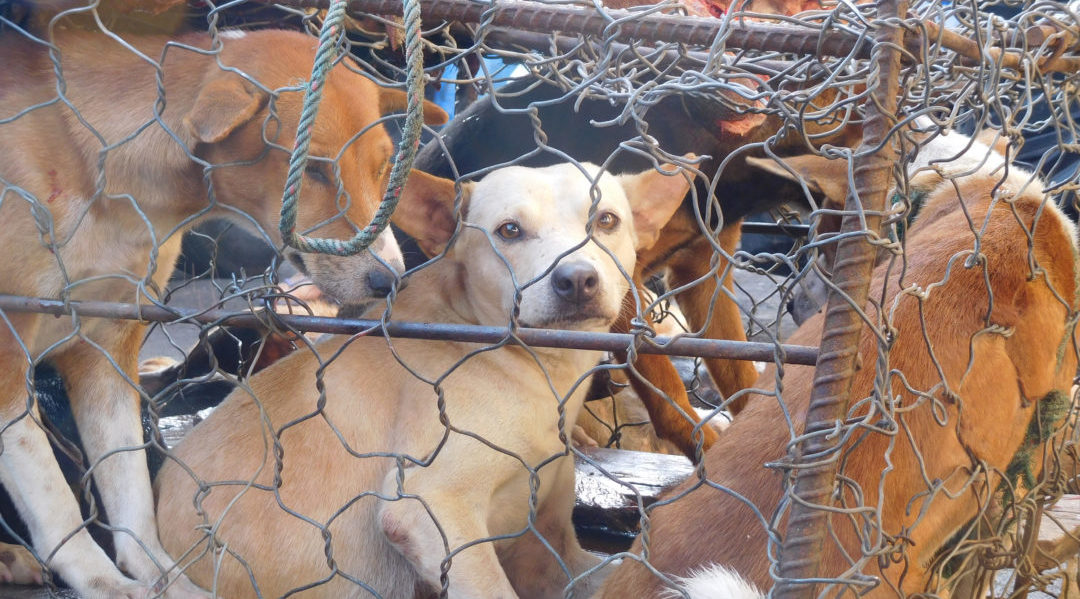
(545, 18)
(791, 230)
(682, 346)
(1035, 36)
(509, 39)
(815, 459)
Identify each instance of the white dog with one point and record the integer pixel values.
(419, 454)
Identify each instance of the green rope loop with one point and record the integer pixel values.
(410, 139)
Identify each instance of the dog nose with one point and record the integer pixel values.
(381, 281)
(575, 282)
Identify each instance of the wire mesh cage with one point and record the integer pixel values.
(821, 254)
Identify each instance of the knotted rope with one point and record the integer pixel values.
(410, 140)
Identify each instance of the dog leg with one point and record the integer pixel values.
(31, 475)
(661, 389)
(474, 572)
(535, 572)
(106, 409)
(658, 384)
(28, 470)
(719, 319)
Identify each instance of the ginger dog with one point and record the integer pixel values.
(95, 191)
(973, 374)
(400, 488)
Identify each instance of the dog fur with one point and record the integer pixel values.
(95, 194)
(994, 378)
(495, 129)
(381, 401)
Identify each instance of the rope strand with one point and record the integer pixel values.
(410, 139)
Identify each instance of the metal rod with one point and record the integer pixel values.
(681, 346)
(546, 18)
(816, 457)
(509, 39)
(968, 48)
(791, 230)
(743, 34)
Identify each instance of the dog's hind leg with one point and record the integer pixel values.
(32, 477)
(460, 510)
(529, 563)
(106, 408)
(716, 318)
(658, 384)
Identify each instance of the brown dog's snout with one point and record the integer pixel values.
(380, 281)
(575, 282)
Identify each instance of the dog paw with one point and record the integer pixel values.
(182, 588)
(18, 566)
(582, 438)
(101, 587)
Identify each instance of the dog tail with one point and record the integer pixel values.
(713, 582)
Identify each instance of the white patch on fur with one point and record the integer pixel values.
(719, 422)
(387, 248)
(713, 582)
(955, 154)
(232, 34)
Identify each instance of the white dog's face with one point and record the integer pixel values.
(529, 244)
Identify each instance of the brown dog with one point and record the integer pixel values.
(423, 453)
(973, 372)
(97, 184)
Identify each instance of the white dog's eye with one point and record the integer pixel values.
(509, 230)
(607, 221)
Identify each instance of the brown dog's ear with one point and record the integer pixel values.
(395, 100)
(821, 175)
(654, 197)
(426, 210)
(224, 104)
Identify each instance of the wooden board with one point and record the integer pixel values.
(613, 485)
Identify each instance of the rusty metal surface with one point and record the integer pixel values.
(816, 453)
(681, 346)
(654, 26)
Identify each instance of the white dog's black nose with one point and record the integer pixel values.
(575, 282)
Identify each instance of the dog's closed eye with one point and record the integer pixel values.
(320, 173)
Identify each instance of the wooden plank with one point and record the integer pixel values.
(609, 484)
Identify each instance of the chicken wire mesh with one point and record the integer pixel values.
(936, 474)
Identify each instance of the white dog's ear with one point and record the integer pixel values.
(654, 197)
(395, 100)
(223, 104)
(426, 210)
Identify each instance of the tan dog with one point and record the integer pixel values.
(973, 373)
(76, 230)
(402, 492)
